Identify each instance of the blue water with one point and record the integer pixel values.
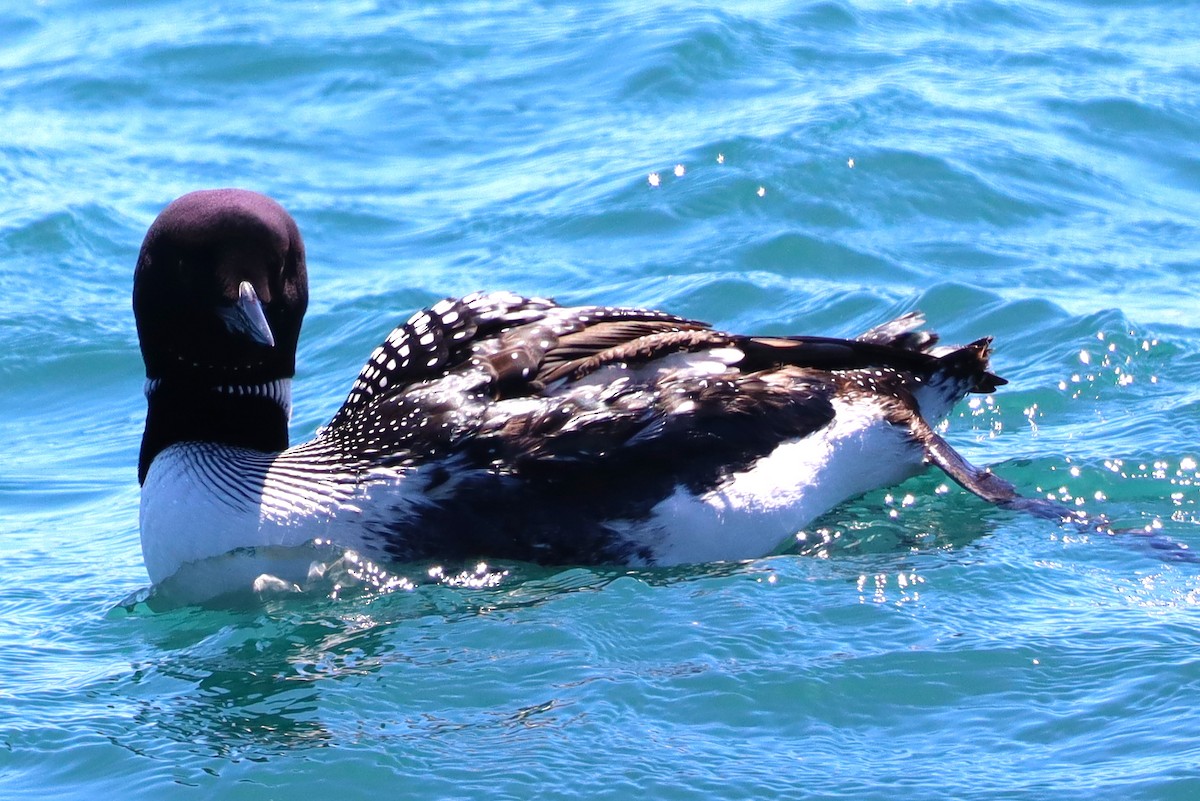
(1029, 170)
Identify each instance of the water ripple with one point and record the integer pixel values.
(1026, 170)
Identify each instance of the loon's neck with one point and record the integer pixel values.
(248, 416)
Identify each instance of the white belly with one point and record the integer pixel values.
(759, 511)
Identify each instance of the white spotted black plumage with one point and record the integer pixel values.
(501, 426)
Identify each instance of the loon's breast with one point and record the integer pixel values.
(202, 500)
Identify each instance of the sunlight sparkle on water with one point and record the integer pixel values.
(906, 584)
(482, 577)
(353, 571)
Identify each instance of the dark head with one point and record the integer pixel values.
(207, 263)
(219, 294)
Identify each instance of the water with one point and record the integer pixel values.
(1028, 170)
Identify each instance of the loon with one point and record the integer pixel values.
(506, 427)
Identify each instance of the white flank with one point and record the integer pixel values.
(758, 511)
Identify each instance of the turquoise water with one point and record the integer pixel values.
(1029, 170)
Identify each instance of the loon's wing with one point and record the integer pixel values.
(435, 371)
(518, 381)
(428, 342)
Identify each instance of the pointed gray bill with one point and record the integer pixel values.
(246, 316)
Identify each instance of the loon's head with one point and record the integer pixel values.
(220, 290)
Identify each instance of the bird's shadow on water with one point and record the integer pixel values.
(239, 674)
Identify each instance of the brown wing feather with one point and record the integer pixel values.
(573, 349)
(577, 360)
